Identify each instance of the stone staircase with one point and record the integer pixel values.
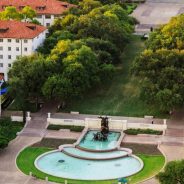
(35, 128)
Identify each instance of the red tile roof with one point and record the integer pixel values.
(53, 7)
(19, 30)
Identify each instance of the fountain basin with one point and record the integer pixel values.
(80, 169)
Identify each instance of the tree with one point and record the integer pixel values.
(10, 13)
(26, 78)
(28, 13)
(77, 70)
(109, 23)
(106, 51)
(52, 41)
(3, 142)
(169, 36)
(115, 28)
(87, 5)
(162, 77)
(72, 83)
(174, 173)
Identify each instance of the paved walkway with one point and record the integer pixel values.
(62, 134)
(154, 139)
(172, 153)
(9, 174)
(156, 12)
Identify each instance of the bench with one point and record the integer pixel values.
(148, 117)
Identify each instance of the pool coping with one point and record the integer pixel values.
(37, 167)
(97, 159)
(86, 130)
(151, 177)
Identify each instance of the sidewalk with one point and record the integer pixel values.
(9, 174)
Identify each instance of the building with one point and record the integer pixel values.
(47, 10)
(18, 39)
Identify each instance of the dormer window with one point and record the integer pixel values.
(4, 6)
(21, 7)
(40, 7)
(4, 30)
(32, 27)
(65, 5)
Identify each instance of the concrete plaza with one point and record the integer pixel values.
(153, 13)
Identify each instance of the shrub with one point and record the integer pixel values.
(3, 142)
(173, 173)
(132, 131)
(71, 127)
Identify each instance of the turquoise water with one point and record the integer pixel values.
(106, 155)
(89, 143)
(74, 168)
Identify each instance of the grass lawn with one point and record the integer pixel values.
(53, 143)
(152, 164)
(16, 106)
(121, 96)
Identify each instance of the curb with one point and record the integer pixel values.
(151, 177)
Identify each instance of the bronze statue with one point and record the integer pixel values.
(103, 134)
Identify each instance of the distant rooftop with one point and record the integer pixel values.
(19, 30)
(53, 7)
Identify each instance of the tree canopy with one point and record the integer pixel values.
(168, 36)
(11, 13)
(161, 66)
(162, 77)
(78, 55)
(26, 78)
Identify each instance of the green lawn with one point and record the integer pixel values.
(16, 106)
(25, 162)
(121, 96)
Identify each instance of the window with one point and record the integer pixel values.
(17, 40)
(47, 16)
(56, 16)
(39, 16)
(1, 64)
(17, 57)
(1, 48)
(17, 48)
(9, 65)
(9, 56)
(25, 41)
(1, 40)
(9, 48)
(1, 56)
(9, 40)
(47, 24)
(25, 48)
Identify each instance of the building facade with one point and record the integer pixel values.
(47, 10)
(18, 39)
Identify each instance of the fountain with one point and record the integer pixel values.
(103, 134)
(87, 158)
